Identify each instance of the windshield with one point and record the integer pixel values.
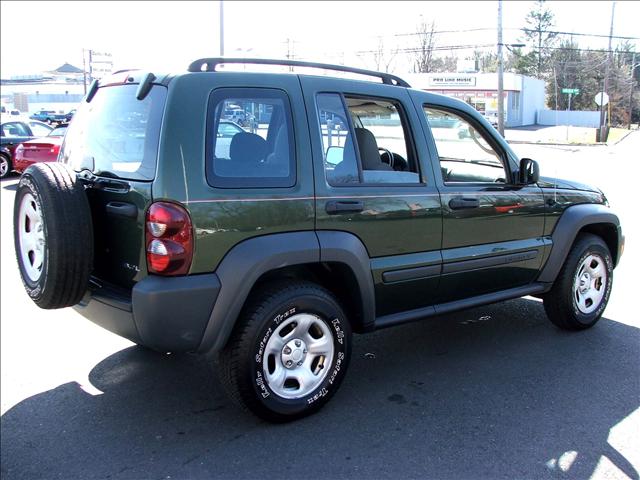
(116, 134)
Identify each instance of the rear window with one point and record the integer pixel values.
(116, 134)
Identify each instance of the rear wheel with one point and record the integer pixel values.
(53, 235)
(289, 352)
(581, 291)
(5, 165)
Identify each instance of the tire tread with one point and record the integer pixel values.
(231, 361)
(556, 303)
(69, 235)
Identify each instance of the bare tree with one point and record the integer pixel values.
(423, 61)
(383, 58)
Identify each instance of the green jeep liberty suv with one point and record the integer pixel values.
(345, 206)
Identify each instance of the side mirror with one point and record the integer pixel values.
(529, 171)
(335, 155)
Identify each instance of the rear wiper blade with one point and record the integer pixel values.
(103, 180)
(108, 174)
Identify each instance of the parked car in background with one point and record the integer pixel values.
(226, 132)
(69, 115)
(43, 149)
(9, 115)
(236, 115)
(492, 118)
(13, 133)
(49, 116)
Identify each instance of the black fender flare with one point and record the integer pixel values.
(574, 219)
(343, 247)
(246, 262)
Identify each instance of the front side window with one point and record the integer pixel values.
(465, 155)
(365, 140)
(250, 139)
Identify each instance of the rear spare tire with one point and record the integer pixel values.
(53, 235)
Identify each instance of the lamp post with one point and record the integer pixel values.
(501, 70)
(501, 80)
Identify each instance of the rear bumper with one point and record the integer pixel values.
(167, 314)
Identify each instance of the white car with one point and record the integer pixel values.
(492, 117)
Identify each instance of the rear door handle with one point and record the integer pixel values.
(122, 209)
(335, 206)
(463, 203)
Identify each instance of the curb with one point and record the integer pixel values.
(606, 144)
(524, 142)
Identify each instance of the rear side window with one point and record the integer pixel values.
(250, 139)
(116, 134)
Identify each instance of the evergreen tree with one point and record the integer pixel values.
(539, 22)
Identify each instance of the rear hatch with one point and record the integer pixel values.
(113, 145)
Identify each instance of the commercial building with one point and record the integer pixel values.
(524, 96)
(59, 90)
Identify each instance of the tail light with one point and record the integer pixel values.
(169, 239)
(55, 149)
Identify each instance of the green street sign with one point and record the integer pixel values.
(574, 91)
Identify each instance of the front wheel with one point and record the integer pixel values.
(289, 352)
(581, 292)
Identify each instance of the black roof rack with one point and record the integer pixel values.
(210, 64)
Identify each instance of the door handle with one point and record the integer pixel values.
(123, 209)
(463, 203)
(335, 206)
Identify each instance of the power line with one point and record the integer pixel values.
(579, 34)
(445, 31)
(524, 29)
(436, 48)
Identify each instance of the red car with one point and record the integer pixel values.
(44, 149)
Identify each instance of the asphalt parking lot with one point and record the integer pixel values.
(492, 392)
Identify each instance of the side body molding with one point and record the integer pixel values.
(570, 223)
(346, 248)
(241, 268)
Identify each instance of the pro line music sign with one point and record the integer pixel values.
(453, 80)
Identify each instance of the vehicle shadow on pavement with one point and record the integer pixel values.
(493, 392)
(9, 186)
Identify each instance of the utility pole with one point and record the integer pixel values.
(84, 71)
(290, 54)
(500, 73)
(221, 29)
(603, 127)
(91, 65)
